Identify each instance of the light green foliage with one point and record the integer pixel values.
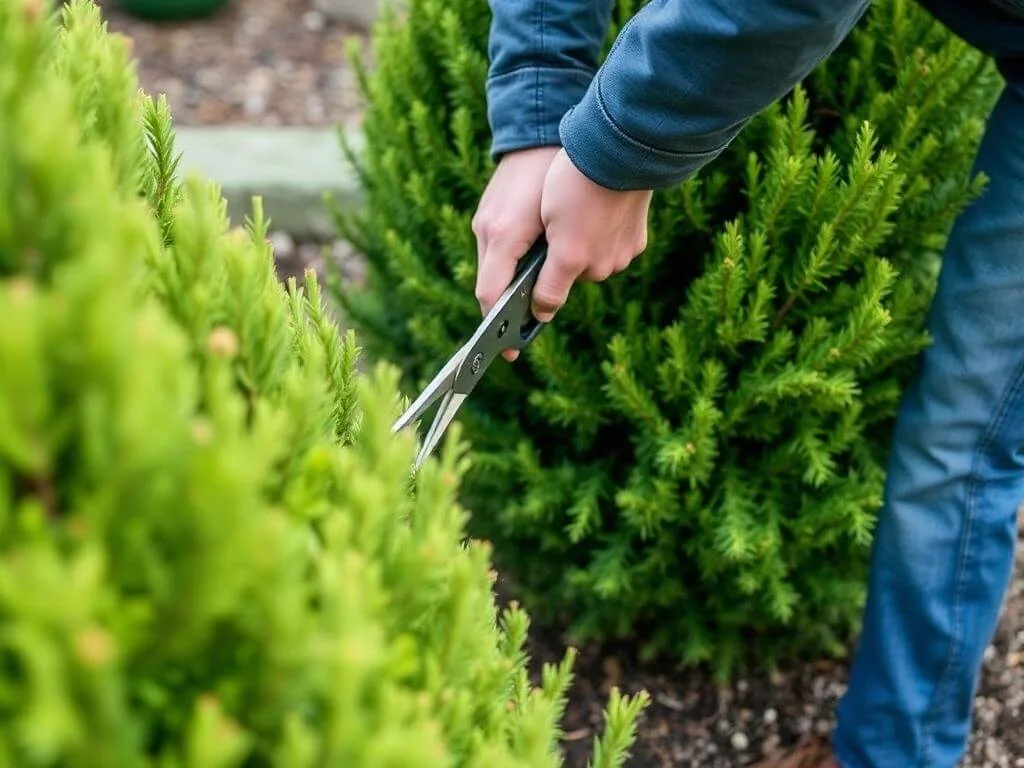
(211, 550)
(693, 453)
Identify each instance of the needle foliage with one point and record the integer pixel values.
(692, 454)
(211, 553)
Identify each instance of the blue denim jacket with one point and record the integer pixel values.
(682, 78)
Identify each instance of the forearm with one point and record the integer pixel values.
(685, 76)
(543, 57)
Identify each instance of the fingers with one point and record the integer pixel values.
(567, 264)
(497, 255)
(562, 267)
(496, 260)
(592, 232)
(508, 220)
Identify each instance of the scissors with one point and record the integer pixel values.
(508, 325)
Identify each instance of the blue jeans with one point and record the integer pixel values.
(946, 538)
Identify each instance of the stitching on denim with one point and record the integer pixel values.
(572, 69)
(538, 89)
(643, 146)
(1009, 397)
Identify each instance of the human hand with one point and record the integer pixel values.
(592, 233)
(507, 222)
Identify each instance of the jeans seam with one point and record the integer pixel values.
(984, 443)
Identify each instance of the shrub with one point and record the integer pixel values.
(211, 553)
(693, 453)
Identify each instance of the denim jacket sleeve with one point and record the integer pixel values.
(680, 82)
(543, 55)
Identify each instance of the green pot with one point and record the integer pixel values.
(172, 9)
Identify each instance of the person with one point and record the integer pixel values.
(579, 150)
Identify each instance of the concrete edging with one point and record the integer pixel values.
(290, 168)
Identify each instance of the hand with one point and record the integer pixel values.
(592, 233)
(507, 222)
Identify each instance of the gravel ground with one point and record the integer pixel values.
(257, 62)
(293, 258)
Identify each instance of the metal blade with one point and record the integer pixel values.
(445, 415)
(438, 386)
(509, 325)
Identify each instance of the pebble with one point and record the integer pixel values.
(293, 258)
(990, 655)
(739, 741)
(314, 21)
(254, 25)
(282, 243)
(210, 78)
(770, 715)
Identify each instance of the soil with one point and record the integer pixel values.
(691, 723)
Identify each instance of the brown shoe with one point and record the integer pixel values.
(805, 755)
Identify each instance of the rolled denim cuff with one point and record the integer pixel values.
(606, 154)
(526, 105)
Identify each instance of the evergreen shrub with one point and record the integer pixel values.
(212, 552)
(692, 454)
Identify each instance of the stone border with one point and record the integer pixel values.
(360, 12)
(290, 168)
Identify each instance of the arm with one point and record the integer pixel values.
(685, 76)
(681, 81)
(543, 55)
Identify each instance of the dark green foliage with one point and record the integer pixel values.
(211, 553)
(693, 454)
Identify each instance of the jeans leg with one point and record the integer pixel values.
(945, 543)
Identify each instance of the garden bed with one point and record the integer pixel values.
(691, 722)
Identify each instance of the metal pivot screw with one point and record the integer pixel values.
(477, 360)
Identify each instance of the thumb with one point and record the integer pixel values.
(556, 278)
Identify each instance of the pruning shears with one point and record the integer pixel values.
(509, 324)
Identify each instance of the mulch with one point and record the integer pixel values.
(281, 62)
